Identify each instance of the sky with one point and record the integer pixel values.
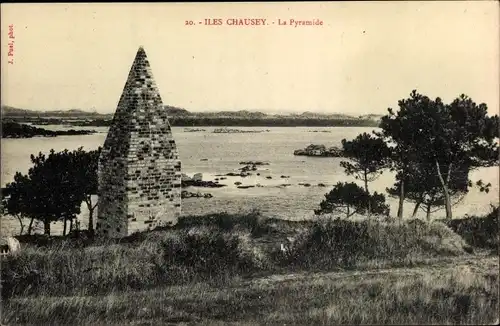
(363, 59)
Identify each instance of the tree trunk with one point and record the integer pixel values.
(444, 184)
(20, 218)
(30, 225)
(368, 194)
(416, 209)
(46, 226)
(428, 212)
(401, 200)
(348, 211)
(366, 180)
(91, 220)
(91, 209)
(70, 225)
(65, 224)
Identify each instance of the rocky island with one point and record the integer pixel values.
(236, 131)
(20, 130)
(319, 150)
(197, 181)
(193, 130)
(187, 194)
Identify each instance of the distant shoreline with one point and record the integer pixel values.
(179, 117)
(18, 130)
(211, 122)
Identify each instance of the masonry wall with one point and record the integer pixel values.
(139, 168)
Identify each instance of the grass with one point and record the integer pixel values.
(454, 293)
(229, 268)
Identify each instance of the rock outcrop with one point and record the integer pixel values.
(319, 150)
(198, 177)
(236, 131)
(193, 130)
(9, 245)
(253, 163)
(187, 194)
(204, 184)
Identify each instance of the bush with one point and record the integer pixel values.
(252, 221)
(349, 199)
(481, 232)
(205, 254)
(343, 243)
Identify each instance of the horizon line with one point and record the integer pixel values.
(273, 112)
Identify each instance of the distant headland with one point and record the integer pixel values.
(12, 129)
(183, 118)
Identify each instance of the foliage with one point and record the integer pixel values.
(479, 231)
(204, 254)
(350, 199)
(252, 221)
(369, 156)
(423, 187)
(444, 137)
(84, 172)
(345, 243)
(15, 199)
(54, 187)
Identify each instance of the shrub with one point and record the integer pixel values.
(205, 254)
(481, 232)
(343, 243)
(252, 221)
(349, 199)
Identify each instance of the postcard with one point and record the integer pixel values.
(288, 163)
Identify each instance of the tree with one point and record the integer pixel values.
(85, 178)
(350, 199)
(422, 186)
(448, 136)
(54, 188)
(368, 157)
(53, 192)
(15, 201)
(395, 127)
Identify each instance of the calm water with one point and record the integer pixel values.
(221, 153)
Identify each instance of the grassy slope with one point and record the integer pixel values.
(459, 291)
(416, 274)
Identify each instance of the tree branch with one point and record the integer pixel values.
(439, 173)
(449, 173)
(355, 212)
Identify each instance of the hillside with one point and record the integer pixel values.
(12, 112)
(261, 270)
(184, 118)
(9, 111)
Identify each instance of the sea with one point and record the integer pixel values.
(214, 154)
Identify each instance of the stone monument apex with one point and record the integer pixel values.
(139, 168)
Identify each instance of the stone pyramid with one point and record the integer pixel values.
(139, 168)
